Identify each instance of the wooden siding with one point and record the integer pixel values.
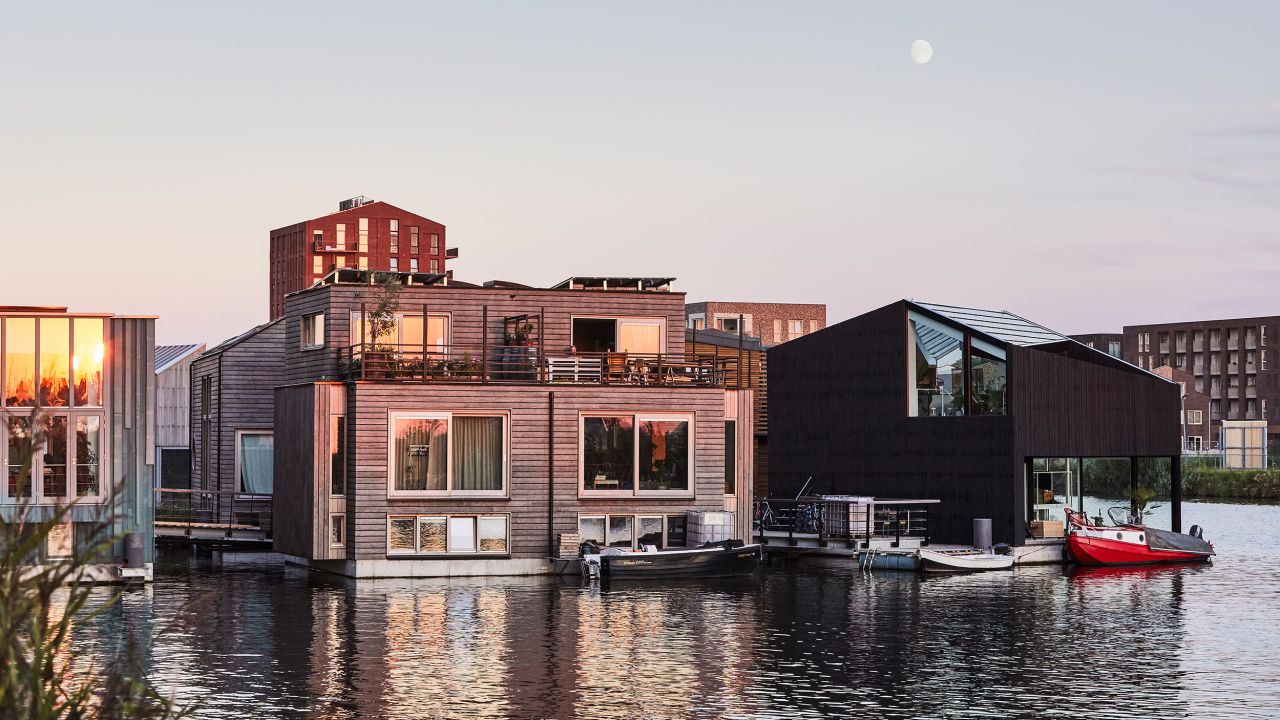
(243, 378)
(838, 413)
(465, 308)
(739, 406)
(130, 418)
(367, 412)
(173, 404)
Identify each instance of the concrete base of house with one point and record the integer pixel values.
(1047, 551)
(442, 568)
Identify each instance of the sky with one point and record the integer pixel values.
(1085, 165)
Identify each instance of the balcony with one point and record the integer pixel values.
(526, 365)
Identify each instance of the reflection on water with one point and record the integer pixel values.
(249, 638)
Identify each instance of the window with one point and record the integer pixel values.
(312, 331)
(395, 236)
(1113, 348)
(317, 239)
(413, 239)
(337, 538)
(936, 368)
(1262, 359)
(364, 235)
(1195, 417)
(795, 328)
(60, 541)
(413, 264)
(637, 454)
(408, 331)
(54, 463)
(1194, 443)
(341, 234)
(730, 456)
(317, 266)
(696, 323)
(55, 362)
(337, 455)
(20, 454)
(443, 454)
(642, 336)
(254, 457)
(629, 531)
(729, 325)
(86, 361)
(989, 374)
(435, 266)
(395, 264)
(20, 362)
(363, 262)
(88, 457)
(448, 534)
(435, 243)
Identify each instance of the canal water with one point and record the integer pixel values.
(247, 638)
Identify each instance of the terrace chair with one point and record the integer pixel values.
(616, 367)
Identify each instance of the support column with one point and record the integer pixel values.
(1133, 482)
(1175, 493)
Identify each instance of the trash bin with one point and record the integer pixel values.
(982, 533)
(135, 550)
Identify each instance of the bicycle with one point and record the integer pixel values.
(809, 519)
(763, 516)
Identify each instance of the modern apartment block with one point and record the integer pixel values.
(1234, 362)
(773, 323)
(1109, 343)
(80, 387)
(364, 234)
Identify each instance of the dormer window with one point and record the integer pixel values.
(940, 358)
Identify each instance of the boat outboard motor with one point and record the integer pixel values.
(1001, 549)
(588, 547)
(1196, 532)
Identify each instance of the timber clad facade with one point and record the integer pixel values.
(879, 405)
(471, 443)
(232, 413)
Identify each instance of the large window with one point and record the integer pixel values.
(643, 336)
(408, 332)
(730, 456)
(633, 531)
(637, 454)
(337, 455)
(255, 451)
(447, 453)
(64, 370)
(448, 534)
(60, 463)
(939, 360)
(20, 362)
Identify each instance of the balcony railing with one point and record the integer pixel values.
(522, 364)
(204, 509)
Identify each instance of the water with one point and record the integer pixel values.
(248, 638)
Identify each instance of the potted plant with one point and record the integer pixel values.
(379, 359)
(520, 336)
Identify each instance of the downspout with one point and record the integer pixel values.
(551, 474)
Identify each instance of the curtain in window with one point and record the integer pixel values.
(477, 453)
(421, 454)
(640, 338)
(256, 453)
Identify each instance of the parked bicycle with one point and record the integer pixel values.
(764, 518)
(809, 519)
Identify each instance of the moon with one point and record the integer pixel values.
(921, 51)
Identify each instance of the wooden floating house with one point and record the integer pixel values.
(986, 411)
(429, 427)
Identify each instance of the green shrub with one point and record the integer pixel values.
(1225, 483)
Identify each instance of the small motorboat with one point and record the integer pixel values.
(723, 559)
(963, 560)
(1129, 542)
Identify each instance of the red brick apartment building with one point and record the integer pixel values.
(363, 234)
(1234, 362)
(773, 323)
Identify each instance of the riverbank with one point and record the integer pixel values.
(1231, 484)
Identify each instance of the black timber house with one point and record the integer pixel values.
(986, 411)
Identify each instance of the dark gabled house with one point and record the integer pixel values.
(986, 411)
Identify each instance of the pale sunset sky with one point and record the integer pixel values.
(1082, 164)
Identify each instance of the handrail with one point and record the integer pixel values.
(527, 364)
(217, 508)
(846, 519)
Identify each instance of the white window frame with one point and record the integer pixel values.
(240, 491)
(1195, 417)
(636, 419)
(342, 522)
(312, 320)
(635, 525)
(449, 492)
(37, 495)
(449, 551)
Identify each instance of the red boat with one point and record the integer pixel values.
(1129, 542)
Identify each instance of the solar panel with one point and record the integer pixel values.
(1000, 324)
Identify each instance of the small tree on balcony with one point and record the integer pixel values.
(384, 297)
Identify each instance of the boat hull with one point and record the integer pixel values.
(692, 564)
(931, 561)
(1096, 551)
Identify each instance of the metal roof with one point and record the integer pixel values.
(999, 324)
(168, 355)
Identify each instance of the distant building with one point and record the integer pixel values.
(173, 413)
(1195, 410)
(772, 323)
(86, 381)
(363, 234)
(988, 412)
(1109, 343)
(1234, 362)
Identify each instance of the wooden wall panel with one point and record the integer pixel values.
(173, 405)
(369, 403)
(295, 469)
